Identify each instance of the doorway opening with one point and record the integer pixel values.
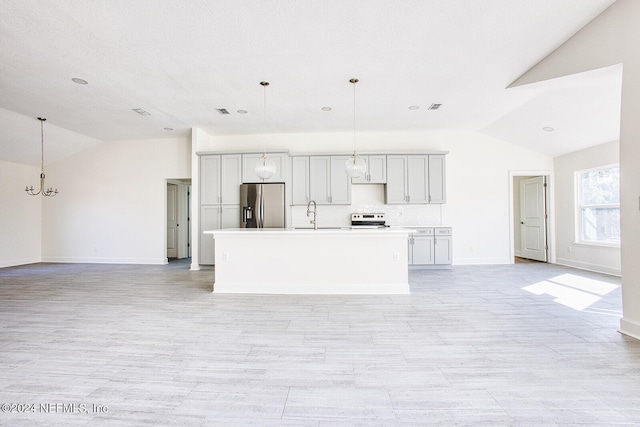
(178, 219)
(531, 216)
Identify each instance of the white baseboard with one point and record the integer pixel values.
(630, 327)
(589, 267)
(105, 260)
(481, 261)
(16, 262)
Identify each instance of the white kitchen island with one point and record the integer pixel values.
(307, 261)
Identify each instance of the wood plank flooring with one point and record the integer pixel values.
(123, 345)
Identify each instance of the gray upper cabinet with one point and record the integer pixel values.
(300, 180)
(220, 179)
(230, 179)
(249, 165)
(376, 171)
(329, 184)
(210, 180)
(340, 185)
(319, 179)
(437, 193)
(414, 179)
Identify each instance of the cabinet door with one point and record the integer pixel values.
(376, 171)
(300, 180)
(340, 182)
(377, 166)
(230, 216)
(396, 188)
(209, 220)
(320, 179)
(230, 178)
(249, 167)
(443, 250)
(209, 180)
(423, 250)
(436, 179)
(418, 179)
(364, 179)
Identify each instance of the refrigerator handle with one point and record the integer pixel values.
(260, 207)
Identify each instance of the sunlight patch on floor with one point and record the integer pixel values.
(572, 291)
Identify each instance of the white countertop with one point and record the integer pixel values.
(341, 231)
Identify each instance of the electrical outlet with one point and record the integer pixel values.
(224, 256)
(396, 256)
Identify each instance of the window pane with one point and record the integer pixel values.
(601, 187)
(600, 225)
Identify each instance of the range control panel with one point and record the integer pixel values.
(368, 219)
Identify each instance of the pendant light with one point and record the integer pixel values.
(49, 192)
(265, 167)
(355, 166)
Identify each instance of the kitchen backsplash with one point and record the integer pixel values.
(369, 198)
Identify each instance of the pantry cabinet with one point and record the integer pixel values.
(220, 179)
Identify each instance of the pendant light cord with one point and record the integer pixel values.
(41, 144)
(354, 81)
(264, 117)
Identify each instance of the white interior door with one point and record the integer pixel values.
(172, 221)
(533, 232)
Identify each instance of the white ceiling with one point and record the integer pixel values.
(180, 60)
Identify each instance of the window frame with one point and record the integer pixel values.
(579, 208)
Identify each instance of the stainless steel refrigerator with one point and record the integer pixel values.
(262, 205)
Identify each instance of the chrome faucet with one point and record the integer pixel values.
(314, 221)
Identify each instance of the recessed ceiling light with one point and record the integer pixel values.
(168, 129)
(326, 108)
(242, 111)
(79, 81)
(413, 107)
(548, 129)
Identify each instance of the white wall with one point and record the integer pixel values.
(605, 41)
(20, 216)
(112, 202)
(477, 174)
(596, 258)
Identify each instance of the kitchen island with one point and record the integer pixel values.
(307, 261)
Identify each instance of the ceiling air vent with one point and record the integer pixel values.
(434, 106)
(141, 112)
(222, 111)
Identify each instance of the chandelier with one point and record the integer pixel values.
(355, 166)
(49, 192)
(265, 167)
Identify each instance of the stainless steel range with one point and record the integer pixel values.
(368, 220)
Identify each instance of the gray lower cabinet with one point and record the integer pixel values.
(421, 248)
(431, 246)
(215, 217)
(443, 251)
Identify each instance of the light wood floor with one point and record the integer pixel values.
(153, 346)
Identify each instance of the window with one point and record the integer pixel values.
(598, 206)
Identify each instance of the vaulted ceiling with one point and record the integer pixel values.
(180, 61)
